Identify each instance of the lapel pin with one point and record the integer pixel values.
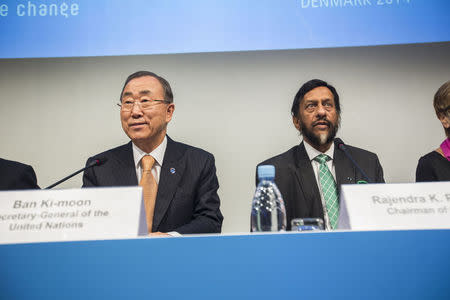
(172, 170)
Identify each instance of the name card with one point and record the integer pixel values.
(395, 206)
(73, 214)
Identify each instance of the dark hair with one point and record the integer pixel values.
(308, 86)
(441, 100)
(168, 95)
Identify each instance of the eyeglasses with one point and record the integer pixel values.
(445, 109)
(146, 104)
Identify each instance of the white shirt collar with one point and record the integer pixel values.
(313, 152)
(157, 153)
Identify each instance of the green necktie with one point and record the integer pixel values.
(329, 190)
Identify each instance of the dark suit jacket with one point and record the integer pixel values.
(16, 176)
(295, 178)
(187, 200)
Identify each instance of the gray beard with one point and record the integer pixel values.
(321, 139)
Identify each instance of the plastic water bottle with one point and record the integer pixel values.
(268, 211)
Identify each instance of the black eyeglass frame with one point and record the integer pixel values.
(153, 102)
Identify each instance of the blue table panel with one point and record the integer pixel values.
(350, 265)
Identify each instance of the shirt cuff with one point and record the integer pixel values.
(174, 234)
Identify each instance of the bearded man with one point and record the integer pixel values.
(309, 175)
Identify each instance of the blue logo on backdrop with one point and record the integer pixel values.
(52, 28)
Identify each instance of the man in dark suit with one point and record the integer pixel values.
(309, 175)
(180, 184)
(16, 176)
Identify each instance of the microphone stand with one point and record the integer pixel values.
(93, 163)
(341, 146)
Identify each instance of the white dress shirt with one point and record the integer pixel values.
(157, 154)
(312, 153)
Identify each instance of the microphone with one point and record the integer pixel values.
(340, 144)
(96, 162)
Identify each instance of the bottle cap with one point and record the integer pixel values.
(266, 171)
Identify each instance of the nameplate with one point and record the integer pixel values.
(69, 215)
(395, 206)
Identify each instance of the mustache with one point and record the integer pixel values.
(321, 121)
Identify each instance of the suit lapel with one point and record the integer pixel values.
(124, 170)
(306, 177)
(345, 172)
(171, 172)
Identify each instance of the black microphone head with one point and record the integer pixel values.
(100, 160)
(339, 143)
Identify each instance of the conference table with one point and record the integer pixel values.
(404, 264)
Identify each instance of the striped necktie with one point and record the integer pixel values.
(329, 191)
